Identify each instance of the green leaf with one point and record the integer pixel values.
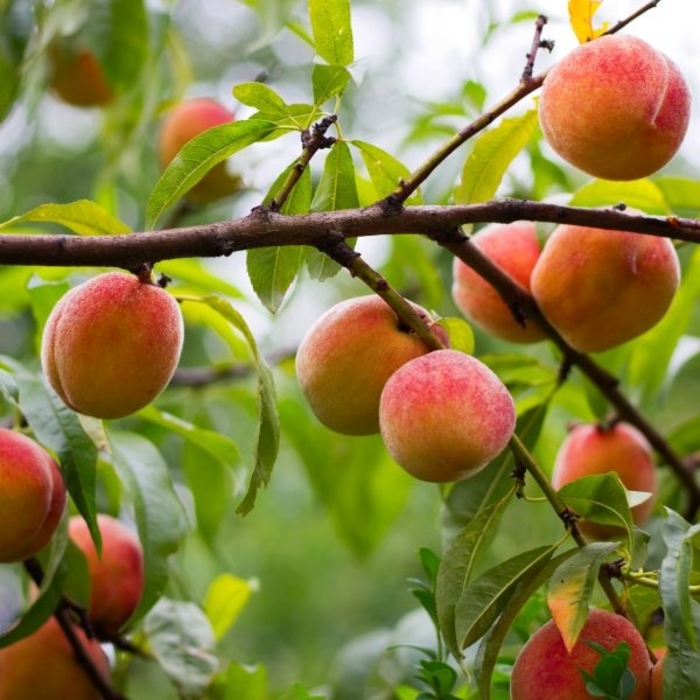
(299, 117)
(571, 587)
(643, 195)
(159, 513)
(82, 217)
(328, 82)
(58, 427)
(336, 189)
(262, 97)
(226, 597)
(272, 270)
(650, 355)
(384, 170)
(268, 432)
(491, 156)
(182, 640)
(457, 566)
(198, 156)
(602, 499)
(332, 30)
(611, 677)
(460, 334)
(682, 195)
(484, 598)
(246, 682)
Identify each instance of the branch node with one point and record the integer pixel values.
(537, 44)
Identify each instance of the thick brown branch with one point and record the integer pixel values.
(264, 228)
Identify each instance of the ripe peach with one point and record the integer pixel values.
(445, 415)
(111, 345)
(346, 358)
(616, 108)
(602, 288)
(32, 497)
(116, 576)
(593, 449)
(43, 666)
(544, 670)
(515, 249)
(185, 121)
(77, 77)
(657, 678)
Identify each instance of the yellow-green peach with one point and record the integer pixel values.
(444, 416)
(615, 108)
(602, 288)
(346, 357)
(515, 249)
(111, 345)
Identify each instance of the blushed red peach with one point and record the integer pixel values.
(602, 288)
(111, 345)
(544, 670)
(182, 123)
(591, 449)
(116, 575)
(515, 249)
(444, 416)
(346, 357)
(615, 107)
(32, 497)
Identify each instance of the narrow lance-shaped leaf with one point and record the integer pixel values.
(272, 270)
(198, 156)
(268, 430)
(331, 28)
(82, 217)
(491, 156)
(328, 82)
(483, 600)
(262, 97)
(571, 586)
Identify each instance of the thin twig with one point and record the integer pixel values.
(537, 44)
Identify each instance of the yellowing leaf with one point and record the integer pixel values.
(581, 17)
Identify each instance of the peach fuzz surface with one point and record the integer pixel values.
(116, 575)
(615, 108)
(181, 124)
(111, 345)
(32, 497)
(347, 356)
(544, 670)
(515, 249)
(43, 666)
(602, 288)
(444, 416)
(591, 449)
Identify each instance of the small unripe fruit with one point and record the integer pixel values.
(32, 497)
(602, 288)
(592, 449)
(444, 416)
(43, 666)
(111, 345)
(615, 107)
(346, 358)
(544, 670)
(116, 576)
(515, 249)
(182, 123)
(77, 77)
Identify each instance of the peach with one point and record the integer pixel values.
(111, 345)
(593, 449)
(77, 77)
(602, 288)
(615, 108)
(445, 415)
(32, 497)
(544, 670)
(515, 249)
(43, 666)
(185, 121)
(116, 575)
(346, 357)
(657, 678)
